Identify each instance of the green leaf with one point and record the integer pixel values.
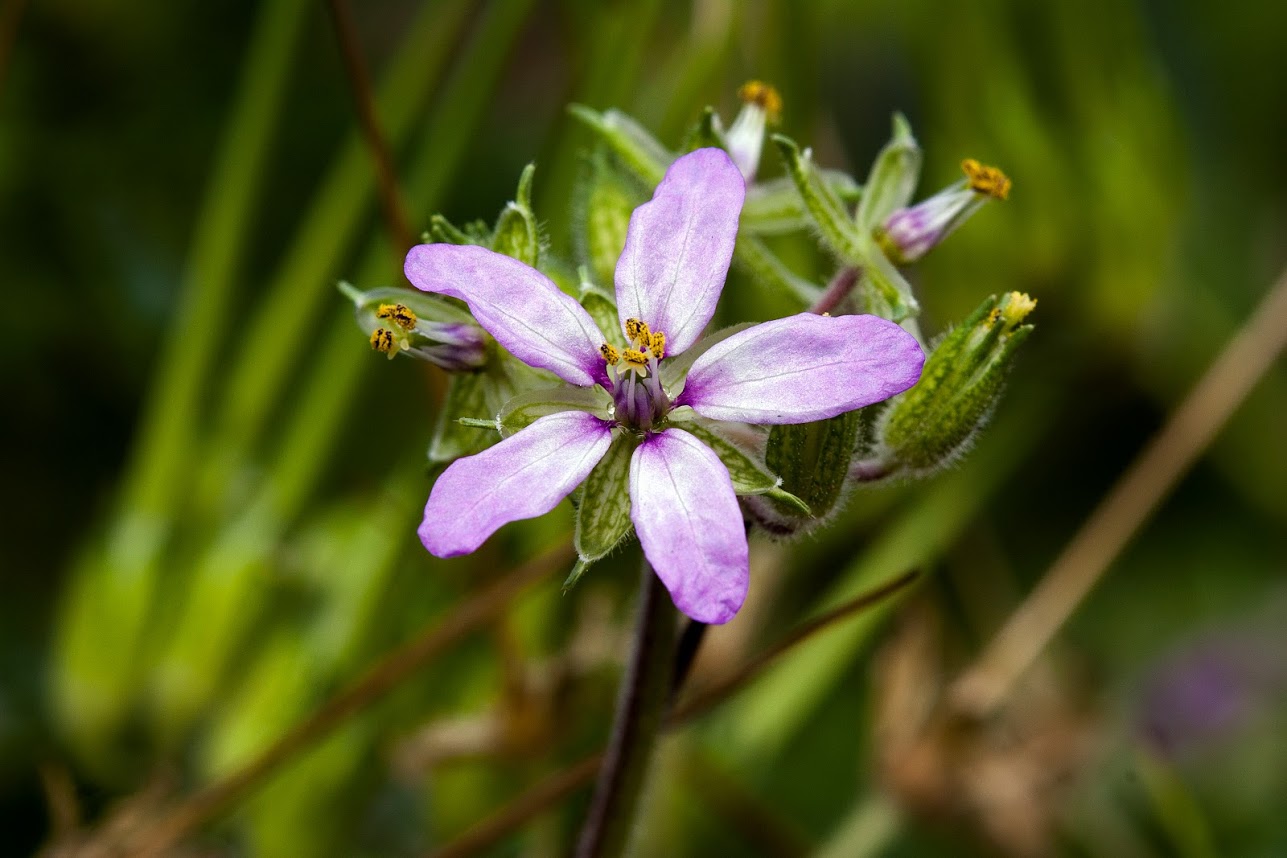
(893, 177)
(466, 397)
(516, 233)
(426, 305)
(604, 201)
(835, 226)
(578, 569)
(775, 207)
(813, 459)
(603, 518)
(881, 277)
(443, 231)
(526, 408)
(750, 477)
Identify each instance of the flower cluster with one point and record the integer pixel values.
(800, 369)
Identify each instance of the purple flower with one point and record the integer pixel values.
(668, 280)
(910, 233)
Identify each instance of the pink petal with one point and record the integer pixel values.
(518, 305)
(803, 368)
(689, 524)
(679, 245)
(524, 476)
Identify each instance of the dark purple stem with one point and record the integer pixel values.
(837, 290)
(641, 703)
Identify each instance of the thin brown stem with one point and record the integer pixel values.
(1126, 508)
(372, 686)
(559, 786)
(837, 290)
(395, 212)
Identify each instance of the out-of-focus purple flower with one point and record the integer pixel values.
(1212, 689)
(909, 233)
(668, 280)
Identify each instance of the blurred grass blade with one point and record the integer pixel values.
(111, 591)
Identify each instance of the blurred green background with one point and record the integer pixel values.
(211, 485)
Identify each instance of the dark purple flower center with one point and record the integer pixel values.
(638, 399)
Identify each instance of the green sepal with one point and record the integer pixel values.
(703, 133)
(640, 154)
(887, 290)
(442, 231)
(750, 477)
(893, 178)
(426, 305)
(753, 257)
(831, 217)
(775, 207)
(525, 409)
(466, 397)
(603, 201)
(603, 309)
(578, 569)
(603, 516)
(813, 459)
(516, 233)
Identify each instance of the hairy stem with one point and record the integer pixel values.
(641, 703)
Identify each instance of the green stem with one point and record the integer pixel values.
(641, 704)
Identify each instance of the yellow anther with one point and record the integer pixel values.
(760, 93)
(400, 314)
(986, 180)
(382, 341)
(635, 358)
(1016, 307)
(657, 344)
(637, 332)
(610, 353)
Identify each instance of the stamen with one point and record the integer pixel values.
(400, 314)
(637, 331)
(986, 180)
(657, 344)
(383, 342)
(610, 353)
(764, 95)
(635, 359)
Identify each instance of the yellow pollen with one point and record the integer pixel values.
(657, 345)
(760, 93)
(400, 314)
(610, 353)
(382, 341)
(635, 358)
(986, 180)
(637, 331)
(1016, 307)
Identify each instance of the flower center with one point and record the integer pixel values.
(639, 402)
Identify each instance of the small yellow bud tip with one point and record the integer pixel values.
(763, 94)
(610, 354)
(986, 180)
(1017, 306)
(400, 314)
(382, 341)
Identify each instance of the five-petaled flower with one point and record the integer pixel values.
(794, 370)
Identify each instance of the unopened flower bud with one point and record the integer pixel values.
(909, 233)
(761, 107)
(425, 327)
(931, 424)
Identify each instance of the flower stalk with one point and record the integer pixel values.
(641, 704)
